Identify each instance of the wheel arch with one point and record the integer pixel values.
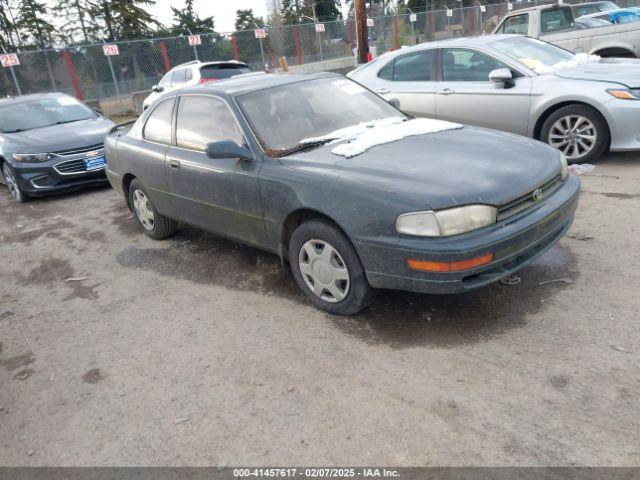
(297, 218)
(127, 178)
(614, 51)
(537, 131)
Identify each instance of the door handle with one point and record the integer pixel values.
(384, 91)
(446, 91)
(174, 164)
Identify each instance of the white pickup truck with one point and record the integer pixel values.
(555, 24)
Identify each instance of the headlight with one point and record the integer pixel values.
(625, 93)
(32, 157)
(565, 167)
(446, 222)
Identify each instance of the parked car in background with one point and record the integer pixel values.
(556, 24)
(193, 73)
(588, 8)
(613, 17)
(579, 104)
(50, 142)
(343, 186)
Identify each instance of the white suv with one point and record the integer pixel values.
(193, 73)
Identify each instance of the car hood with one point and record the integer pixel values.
(446, 169)
(622, 71)
(60, 137)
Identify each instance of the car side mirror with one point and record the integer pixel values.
(228, 149)
(157, 88)
(502, 75)
(395, 102)
(98, 110)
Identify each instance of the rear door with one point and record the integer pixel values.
(466, 95)
(410, 79)
(219, 195)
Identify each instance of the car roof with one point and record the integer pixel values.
(253, 83)
(458, 42)
(544, 7)
(199, 64)
(30, 97)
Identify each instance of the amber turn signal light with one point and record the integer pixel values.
(428, 266)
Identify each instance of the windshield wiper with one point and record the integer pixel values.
(300, 147)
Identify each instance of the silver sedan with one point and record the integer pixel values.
(580, 104)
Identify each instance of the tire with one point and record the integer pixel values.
(152, 223)
(338, 276)
(12, 184)
(571, 128)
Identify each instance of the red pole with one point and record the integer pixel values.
(165, 55)
(296, 40)
(72, 73)
(396, 44)
(234, 45)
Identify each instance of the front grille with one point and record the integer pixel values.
(78, 151)
(526, 201)
(72, 166)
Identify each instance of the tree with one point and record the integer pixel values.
(77, 24)
(187, 19)
(6, 27)
(124, 18)
(32, 25)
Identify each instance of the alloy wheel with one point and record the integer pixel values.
(12, 183)
(143, 209)
(573, 135)
(324, 271)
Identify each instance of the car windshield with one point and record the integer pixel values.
(283, 116)
(42, 113)
(534, 54)
(223, 71)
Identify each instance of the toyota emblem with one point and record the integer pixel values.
(537, 195)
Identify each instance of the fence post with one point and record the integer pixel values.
(72, 74)
(165, 55)
(234, 46)
(396, 43)
(296, 41)
(113, 75)
(261, 52)
(49, 71)
(430, 25)
(351, 34)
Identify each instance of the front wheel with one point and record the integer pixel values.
(12, 183)
(153, 224)
(578, 131)
(327, 269)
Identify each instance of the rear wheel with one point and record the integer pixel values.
(14, 188)
(578, 131)
(327, 268)
(153, 224)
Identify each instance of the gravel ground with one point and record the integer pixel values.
(120, 350)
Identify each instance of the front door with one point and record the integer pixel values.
(219, 195)
(466, 95)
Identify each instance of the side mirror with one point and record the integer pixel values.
(98, 110)
(502, 75)
(157, 88)
(228, 149)
(395, 102)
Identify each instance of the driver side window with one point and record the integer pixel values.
(460, 65)
(518, 24)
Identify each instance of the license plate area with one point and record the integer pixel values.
(95, 163)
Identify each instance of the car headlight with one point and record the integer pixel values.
(446, 222)
(565, 167)
(625, 93)
(32, 157)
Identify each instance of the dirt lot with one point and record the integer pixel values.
(120, 350)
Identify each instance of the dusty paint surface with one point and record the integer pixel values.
(103, 369)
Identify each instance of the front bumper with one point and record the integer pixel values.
(514, 242)
(42, 178)
(623, 117)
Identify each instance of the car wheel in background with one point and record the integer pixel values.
(10, 179)
(578, 131)
(153, 224)
(327, 268)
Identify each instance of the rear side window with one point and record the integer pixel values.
(202, 120)
(158, 126)
(518, 24)
(180, 76)
(415, 67)
(556, 19)
(226, 70)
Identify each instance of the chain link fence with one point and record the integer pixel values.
(87, 73)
